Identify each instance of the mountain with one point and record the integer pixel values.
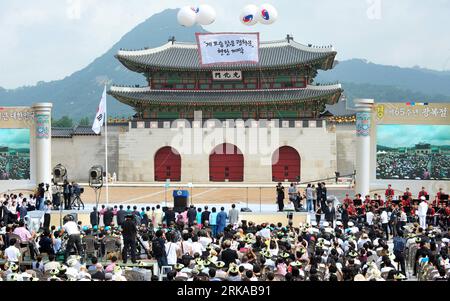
(358, 71)
(78, 95)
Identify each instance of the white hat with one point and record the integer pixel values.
(423, 198)
(72, 262)
(326, 224)
(72, 273)
(12, 277)
(445, 240)
(351, 224)
(338, 223)
(313, 223)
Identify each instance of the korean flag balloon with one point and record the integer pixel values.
(187, 16)
(206, 15)
(249, 15)
(267, 14)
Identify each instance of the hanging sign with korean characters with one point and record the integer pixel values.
(227, 75)
(228, 48)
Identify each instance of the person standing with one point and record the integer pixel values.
(120, 215)
(159, 249)
(191, 214)
(129, 233)
(221, 220)
(94, 217)
(108, 217)
(158, 216)
(345, 216)
(309, 198)
(233, 215)
(280, 197)
(385, 222)
(399, 250)
(292, 193)
(41, 196)
(74, 237)
(330, 213)
(47, 215)
(23, 209)
(55, 196)
(169, 217)
(318, 214)
(67, 188)
(422, 212)
(323, 197)
(205, 216)
(213, 222)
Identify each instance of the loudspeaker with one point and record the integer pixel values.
(96, 176)
(59, 174)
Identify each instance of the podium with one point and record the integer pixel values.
(180, 200)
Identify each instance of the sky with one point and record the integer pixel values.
(409, 135)
(15, 138)
(44, 40)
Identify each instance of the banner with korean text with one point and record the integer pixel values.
(228, 48)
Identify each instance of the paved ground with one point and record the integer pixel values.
(212, 195)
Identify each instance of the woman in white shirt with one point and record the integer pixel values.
(172, 250)
(196, 246)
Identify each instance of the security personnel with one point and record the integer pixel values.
(129, 233)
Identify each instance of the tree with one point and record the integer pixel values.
(64, 122)
(85, 121)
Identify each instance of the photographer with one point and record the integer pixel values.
(55, 196)
(71, 228)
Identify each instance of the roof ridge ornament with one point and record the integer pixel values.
(172, 39)
(289, 38)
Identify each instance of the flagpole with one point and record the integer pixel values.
(106, 150)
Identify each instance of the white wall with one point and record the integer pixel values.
(316, 146)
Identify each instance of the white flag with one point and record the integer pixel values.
(100, 117)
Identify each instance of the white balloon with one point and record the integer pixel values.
(206, 15)
(267, 14)
(187, 16)
(249, 15)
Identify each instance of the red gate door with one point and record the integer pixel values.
(167, 165)
(286, 165)
(226, 162)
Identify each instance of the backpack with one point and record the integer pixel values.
(157, 249)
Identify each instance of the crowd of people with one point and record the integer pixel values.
(413, 166)
(14, 167)
(370, 239)
(403, 166)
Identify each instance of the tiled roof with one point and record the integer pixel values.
(135, 96)
(70, 132)
(62, 132)
(185, 56)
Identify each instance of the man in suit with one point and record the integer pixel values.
(94, 217)
(330, 212)
(169, 216)
(129, 233)
(205, 215)
(121, 215)
(191, 214)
